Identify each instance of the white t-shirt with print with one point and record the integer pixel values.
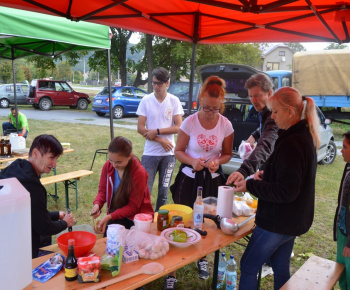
(159, 115)
(205, 143)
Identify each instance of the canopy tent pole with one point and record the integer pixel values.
(110, 92)
(14, 85)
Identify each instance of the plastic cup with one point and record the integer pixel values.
(143, 222)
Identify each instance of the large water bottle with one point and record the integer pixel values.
(231, 274)
(198, 210)
(221, 271)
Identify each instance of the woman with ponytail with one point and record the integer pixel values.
(285, 189)
(123, 186)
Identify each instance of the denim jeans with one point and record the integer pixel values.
(7, 126)
(266, 246)
(165, 166)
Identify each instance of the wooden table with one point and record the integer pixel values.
(176, 258)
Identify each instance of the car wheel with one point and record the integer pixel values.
(45, 104)
(118, 112)
(331, 153)
(100, 114)
(82, 104)
(4, 103)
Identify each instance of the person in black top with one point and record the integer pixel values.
(285, 188)
(43, 155)
(259, 88)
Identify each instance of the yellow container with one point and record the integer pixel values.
(179, 209)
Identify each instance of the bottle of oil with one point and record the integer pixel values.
(71, 267)
(2, 147)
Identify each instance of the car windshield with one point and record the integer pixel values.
(104, 92)
(178, 89)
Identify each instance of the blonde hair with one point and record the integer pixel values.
(215, 87)
(291, 99)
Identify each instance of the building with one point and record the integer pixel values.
(278, 57)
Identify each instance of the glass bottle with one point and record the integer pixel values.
(163, 219)
(8, 146)
(71, 267)
(2, 147)
(198, 209)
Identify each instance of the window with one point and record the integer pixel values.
(25, 88)
(139, 93)
(282, 53)
(272, 66)
(127, 93)
(65, 87)
(286, 81)
(9, 89)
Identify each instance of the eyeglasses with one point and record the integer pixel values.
(158, 83)
(208, 109)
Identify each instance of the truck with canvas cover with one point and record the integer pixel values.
(322, 75)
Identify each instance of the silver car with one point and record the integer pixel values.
(244, 118)
(7, 95)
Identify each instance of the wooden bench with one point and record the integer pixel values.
(69, 179)
(316, 273)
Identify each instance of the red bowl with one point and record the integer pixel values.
(84, 242)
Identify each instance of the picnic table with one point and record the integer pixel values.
(175, 259)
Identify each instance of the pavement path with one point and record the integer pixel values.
(74, 116)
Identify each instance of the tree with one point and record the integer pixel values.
(119, 42)
(334, 45)
(295, 46)
(5, 71)
(63, 72)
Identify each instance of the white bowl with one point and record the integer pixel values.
(193, 239)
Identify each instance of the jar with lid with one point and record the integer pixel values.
(176, 220)
(163, 219)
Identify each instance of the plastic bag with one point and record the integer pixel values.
(245, 149)
(148, 246)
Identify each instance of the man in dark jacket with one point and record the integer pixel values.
(260, 88)
(43, 155)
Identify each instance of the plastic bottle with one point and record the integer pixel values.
(231, 274)
(71, 267)
(221, 271)
(198, 209)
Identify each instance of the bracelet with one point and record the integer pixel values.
(158, 132)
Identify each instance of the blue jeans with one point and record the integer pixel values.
(7, 126)
(266, 246)
(165, 166)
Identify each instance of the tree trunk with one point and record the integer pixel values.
(149, 56)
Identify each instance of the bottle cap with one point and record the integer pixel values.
(163, 211)
(71, 242)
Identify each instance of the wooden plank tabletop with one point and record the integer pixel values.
(65, 176)
(176, 258)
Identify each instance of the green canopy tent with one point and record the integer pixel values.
(24, 33)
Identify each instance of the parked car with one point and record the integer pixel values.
(125, 101)
(47, 93)
(181, 90)
(244, 117)
(7, 95)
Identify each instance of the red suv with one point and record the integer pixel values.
(44, 94)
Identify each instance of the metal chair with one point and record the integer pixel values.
(99, 151)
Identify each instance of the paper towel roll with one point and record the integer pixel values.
(225, 199)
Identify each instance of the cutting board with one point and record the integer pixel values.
(20, 152)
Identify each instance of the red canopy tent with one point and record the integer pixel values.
(209, 21)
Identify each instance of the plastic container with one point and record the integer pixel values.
(143, 222)
(221, 271)
(17, 142)
(84, 242)
(231, 274)
(15, 245)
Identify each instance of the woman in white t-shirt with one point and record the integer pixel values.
(203, 136)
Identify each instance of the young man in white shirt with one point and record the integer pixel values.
(160, 117)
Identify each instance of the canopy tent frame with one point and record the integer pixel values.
(15, 46)
(211, 21)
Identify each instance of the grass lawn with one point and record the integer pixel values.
(85, 139)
